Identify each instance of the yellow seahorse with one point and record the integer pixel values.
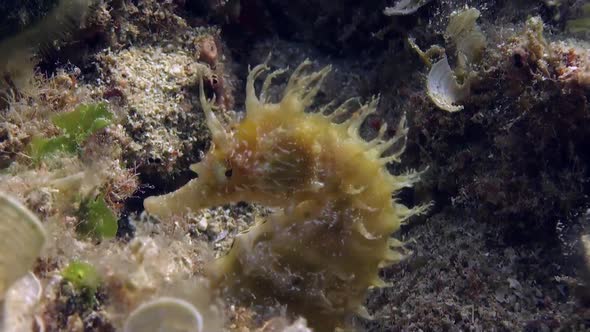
(321, 249)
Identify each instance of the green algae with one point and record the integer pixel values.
(76, 127)
(82, 276)
(98, 220)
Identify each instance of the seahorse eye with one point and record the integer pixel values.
(228, 173)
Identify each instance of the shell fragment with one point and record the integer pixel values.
(23, 238)
(165, 314)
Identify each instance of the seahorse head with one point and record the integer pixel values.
(269, 156)
(274, 151)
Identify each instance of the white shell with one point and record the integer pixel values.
(165, 314)
(300, 325)
(405, 7)
(20, 302)
(22, 238)
(443, 88)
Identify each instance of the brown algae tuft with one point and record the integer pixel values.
(322, 248)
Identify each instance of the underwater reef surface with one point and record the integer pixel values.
(106, 103)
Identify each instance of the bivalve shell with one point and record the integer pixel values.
(22, 236)
(165, 314)
(443, 89)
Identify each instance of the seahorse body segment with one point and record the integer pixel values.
(321, 249)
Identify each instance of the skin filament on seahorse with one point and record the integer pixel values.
(333, 196)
